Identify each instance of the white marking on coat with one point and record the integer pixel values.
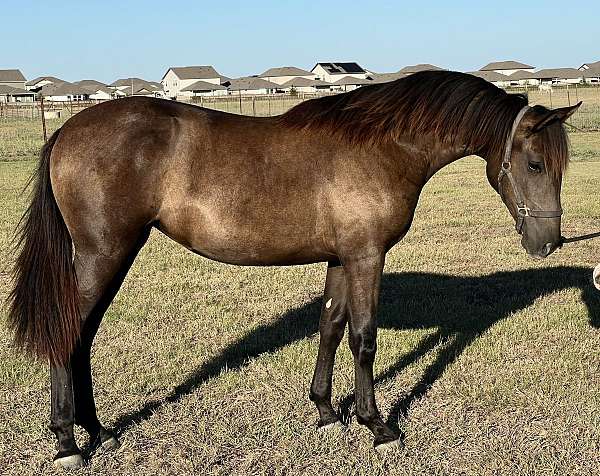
(328, 304)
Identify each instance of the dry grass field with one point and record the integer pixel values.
(488, 361)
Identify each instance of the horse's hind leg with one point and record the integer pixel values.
(99, 278)
(331, 328)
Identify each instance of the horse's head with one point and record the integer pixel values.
(530, 175)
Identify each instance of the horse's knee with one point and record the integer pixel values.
(363, 344)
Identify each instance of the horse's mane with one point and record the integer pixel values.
(457, 108)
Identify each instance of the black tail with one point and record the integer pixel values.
(44, 303)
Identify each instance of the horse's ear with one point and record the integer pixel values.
(555, 115)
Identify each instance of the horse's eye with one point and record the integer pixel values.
(534, 167)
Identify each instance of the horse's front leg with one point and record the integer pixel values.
(331, 328)
(363, 277)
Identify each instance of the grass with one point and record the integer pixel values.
(488, 361)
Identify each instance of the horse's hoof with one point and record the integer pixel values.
(385, 448)
(69, 462)
(336, 425)
(111, 444)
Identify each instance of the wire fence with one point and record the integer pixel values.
(587, 117)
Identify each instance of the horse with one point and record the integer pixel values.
(335, 179)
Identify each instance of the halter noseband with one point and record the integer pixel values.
(505, 171)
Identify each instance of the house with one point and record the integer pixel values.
(176, 79)
(417, 68)
(305, 85)
(204, 88)
(519, 78)
(377, 78)
(332, 72)
(251, 85)
(13, 78)
(507, 67)
(65, 92)
(41, 81)
(591, 72)
(98, 90)
(349, 83)
(497, 79)
(557, 76)
(285, 74)
(10, 94)
(135, 87)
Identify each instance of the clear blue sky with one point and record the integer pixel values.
(110, 39)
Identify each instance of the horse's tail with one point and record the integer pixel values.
(44, 303)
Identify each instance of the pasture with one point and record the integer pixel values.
(488, 361)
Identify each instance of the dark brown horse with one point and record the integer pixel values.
(334, 180)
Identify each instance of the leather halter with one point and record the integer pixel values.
(505, 171)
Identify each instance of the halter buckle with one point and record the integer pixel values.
(523, 210)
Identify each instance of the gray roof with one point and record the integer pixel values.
(194, 72)
(592, 71)
(386, 77)
(250, 83)
(9, 90)
(127, 82)
(90, 83)
(341, 68)
(561, 73)
(349, 80)
(39, 79)
(505, 65)
(304, 82)
(64, 89)
(518, 75)
(490, 76)
(11, 75)
(594, 64)
(284, 71)
(203, 86)
(420, 67)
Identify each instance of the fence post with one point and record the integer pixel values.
(43, 115)
(254, 106)
(568, 95)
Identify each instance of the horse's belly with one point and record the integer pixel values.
(252, 240)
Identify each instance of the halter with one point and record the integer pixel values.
(505, 171)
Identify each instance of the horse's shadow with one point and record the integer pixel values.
(460, 308)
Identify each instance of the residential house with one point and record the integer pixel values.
(332, 72)
(284, 74)
(65, 92)
(386, 77)
(591, 72)
(305, 85)
(557, 76)
(519, 78)
(507, 67)
(417, 68)
(98, 90)
(135, 87)
(498, 79)
(176, 79)
(13, 78)
(10, 94)
(41, 81)
(204, 88)
(251, 85)
(349, 83)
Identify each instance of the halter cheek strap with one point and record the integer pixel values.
(505, 171)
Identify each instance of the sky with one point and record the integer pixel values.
(106, 40)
